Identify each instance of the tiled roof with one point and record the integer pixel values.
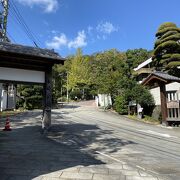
(27, 50)
(160, 76)
(166, 76)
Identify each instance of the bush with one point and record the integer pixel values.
(32, 96)
(120, 105)
(75, 93)
(137, 93)
(62, 99)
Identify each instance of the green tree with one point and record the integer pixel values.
(106, 69)
(129, 90)
(167, 48)
(31, 96)
(79, 70)
(135, 57)
(121, 104)
(79, 78)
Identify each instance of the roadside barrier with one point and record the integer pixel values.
(7, 125)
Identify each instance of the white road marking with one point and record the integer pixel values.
(117, 160)
(140, 167)
(152, 172)
(158, 134)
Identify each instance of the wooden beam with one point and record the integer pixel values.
(32, 57)
(162, 86)
(46, 123)
(153, 78)
(28, 66)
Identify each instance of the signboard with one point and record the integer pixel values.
(173, 104)
(132, 103)
(21, 75)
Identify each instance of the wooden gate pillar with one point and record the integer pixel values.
(163, 102)
(46, 122)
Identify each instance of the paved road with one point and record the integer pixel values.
(87, 143)
(153, 148)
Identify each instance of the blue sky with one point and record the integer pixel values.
(93, 25)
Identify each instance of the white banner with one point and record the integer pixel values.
(21, 75)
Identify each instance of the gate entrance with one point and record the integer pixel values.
(169, 101)
(29, 65)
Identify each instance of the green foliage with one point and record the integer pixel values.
(142, 96)
(166, 25)
(167, 48)
(121, 104)
(106, 69)
(79, 70)
(75, 93)
(31, 96)
(131, 91)
(136, 57)
(108, 72)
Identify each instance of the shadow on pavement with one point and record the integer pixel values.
(26, 154)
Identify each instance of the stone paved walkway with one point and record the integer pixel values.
(67, 152)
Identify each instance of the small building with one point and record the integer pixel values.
(172, 89)
(170, 103)
(28, 65)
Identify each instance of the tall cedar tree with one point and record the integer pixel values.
(167, 48)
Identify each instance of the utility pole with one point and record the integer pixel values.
(3, 20)
(3, 30)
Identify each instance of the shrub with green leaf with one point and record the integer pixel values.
(121, 105)
(31, 96)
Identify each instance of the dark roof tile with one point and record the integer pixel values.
(166, 76)
(27, 50)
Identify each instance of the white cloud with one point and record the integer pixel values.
(106, 28)
(54, 32)
(57, 42)
(79, 41)
(90, 29)
(47, 5)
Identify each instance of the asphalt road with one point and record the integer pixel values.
(86, 143)
(152, 148)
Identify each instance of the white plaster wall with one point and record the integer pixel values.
(169, 87)
(0, 96)
(4, 100)
(104, 100)
(156, 94)
(13, 74)
(173, 86)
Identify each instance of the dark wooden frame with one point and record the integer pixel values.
(38, 63)
(156, 79)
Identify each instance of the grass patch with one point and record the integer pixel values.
(146, 119)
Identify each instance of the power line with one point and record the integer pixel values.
(21, 21)
(13, 15)
(34, 36)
